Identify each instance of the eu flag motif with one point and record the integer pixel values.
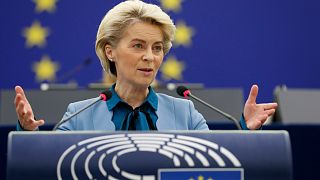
(226, 43)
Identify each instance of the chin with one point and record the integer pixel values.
(145, 83)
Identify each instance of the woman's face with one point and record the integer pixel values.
(138, 54)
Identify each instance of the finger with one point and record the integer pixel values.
(30, 115)
(267, 106)
(39, 122)
(270, 112)
(28, 120)
(253, 94)
(21, 112)
(30, 123)
(19, 90)
(35, 124)
(20, 109)
(262, 118)
(17, 99)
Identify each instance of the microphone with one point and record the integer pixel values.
(104, 96)
(185, 92)
(57, 83)
(86, 62)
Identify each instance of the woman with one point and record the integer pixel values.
(132, 40)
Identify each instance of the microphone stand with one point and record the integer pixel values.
(235, 121)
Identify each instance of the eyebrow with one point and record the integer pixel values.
(136, 39)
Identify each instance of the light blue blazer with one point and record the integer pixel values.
(173, 114)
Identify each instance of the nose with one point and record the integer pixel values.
(148, 56)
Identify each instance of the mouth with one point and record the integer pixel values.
(145, 69)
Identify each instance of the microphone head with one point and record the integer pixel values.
(106, 95)
(183, 91)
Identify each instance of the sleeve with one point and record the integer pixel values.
(197, 120)
(20, 128)
(243, 123)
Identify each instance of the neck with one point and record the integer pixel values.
(132, 95)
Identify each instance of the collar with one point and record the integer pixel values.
(152, 98)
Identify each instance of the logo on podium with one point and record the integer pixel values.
(148, 156)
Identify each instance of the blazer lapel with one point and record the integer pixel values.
(166, 115)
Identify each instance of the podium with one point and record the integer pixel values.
(232, 155)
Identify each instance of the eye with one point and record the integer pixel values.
(158, 48)
(138, 45)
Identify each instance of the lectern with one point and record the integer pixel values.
(232, 155)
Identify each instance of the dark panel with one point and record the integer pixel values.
(298, 106)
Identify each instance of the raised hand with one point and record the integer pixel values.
(24, 111)
(256, 114)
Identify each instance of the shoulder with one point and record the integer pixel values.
(164, 98)
(178, 106)
(82, 103)
(76, 106)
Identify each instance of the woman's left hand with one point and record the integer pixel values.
(256, 114)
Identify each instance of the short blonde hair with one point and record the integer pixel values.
(120, 17)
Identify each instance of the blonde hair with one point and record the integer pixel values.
(120, 17)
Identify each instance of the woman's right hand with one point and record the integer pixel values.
(24, 111)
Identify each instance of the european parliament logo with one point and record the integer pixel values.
(148, 156)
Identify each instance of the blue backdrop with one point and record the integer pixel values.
(221, 43)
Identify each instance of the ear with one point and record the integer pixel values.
(109, 51)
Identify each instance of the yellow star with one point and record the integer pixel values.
(45, 69)
(200, 177)
(183, 35)
(45, 5)
(172, 69)
(35, 35)
(171, 5)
